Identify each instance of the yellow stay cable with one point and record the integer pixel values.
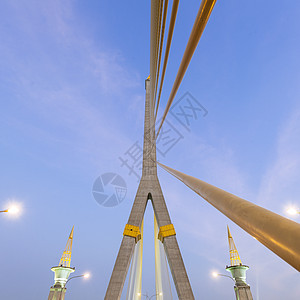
(168, 46)
(204, 12)
(162, 34)
(154, 33)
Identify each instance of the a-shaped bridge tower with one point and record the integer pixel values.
(149, 189)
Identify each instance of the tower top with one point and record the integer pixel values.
(234, 255)
(65, 260)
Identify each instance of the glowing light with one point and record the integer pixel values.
(292, 211)
(160, 294)
(87, 275)
(214, 274)
(13, 210)
(139, 294)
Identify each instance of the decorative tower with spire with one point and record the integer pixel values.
(238, 272)
(62, 272)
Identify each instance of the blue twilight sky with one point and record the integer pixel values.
(72, 102)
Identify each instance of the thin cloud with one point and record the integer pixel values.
(281, 177)
(64, 81)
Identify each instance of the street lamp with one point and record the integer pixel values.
(292, 210)
(158, 294)
(216, 274)
(86, 276)
(147, 297)
(13, 210)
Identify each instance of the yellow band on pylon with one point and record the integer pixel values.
(133, 231)
(165, 231)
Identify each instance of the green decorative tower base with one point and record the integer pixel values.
(62, 272)
(238, 272)
(241, 288)
(58, 290)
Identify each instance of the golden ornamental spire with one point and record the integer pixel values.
(65, 260)
(234, 255)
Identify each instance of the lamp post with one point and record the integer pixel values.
(86, 275)
(149, 298)
(241, 288)
(216, 274)
(12, 210)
